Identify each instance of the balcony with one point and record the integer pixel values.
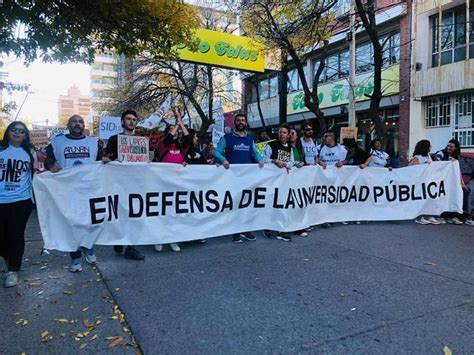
(95, 73)
(444, 79)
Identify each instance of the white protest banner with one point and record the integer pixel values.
(133, 149)
(155, 119)
(109, 126)
(139, 204)
(216, 136)
(39, 138)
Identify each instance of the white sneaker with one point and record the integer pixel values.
(432, 220)
(90, 258)
(421, 220)
(441, 220)
(470, 222)
(158, 247)
(345, 223)
(11, 279)
(75, 267)
(455, 220)
(175, 247)
(302, 234)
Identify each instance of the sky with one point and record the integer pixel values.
(47, 82)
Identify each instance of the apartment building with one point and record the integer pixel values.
(73, 104)
(442, 97)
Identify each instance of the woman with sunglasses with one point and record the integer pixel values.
(16, 172)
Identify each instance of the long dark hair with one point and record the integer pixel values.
(457, 151)
(26, 144)
(422, 148)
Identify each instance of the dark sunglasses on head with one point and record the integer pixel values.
(18, 130)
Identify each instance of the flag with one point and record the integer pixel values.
(155, 118)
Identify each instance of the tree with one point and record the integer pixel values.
(69, 30)
(153, 78)
(297, 28)
(366, 12)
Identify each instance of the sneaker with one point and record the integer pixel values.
(455, 220)
(432, 220)
(249, 236)
(267, 234)
(326, 225)
(11, 279)
(118, 249)
(75, 266)
(441, 220)
(201, 241)
(357, 222)
(284, 236)
(175, 247)
(421, 220)
(236, 238)
(309, 229)
(158, 247)
(470, 222)
(345, 223)
(134, 254)
(90, 257)
(301, 233)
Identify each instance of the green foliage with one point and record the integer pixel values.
(72, 30)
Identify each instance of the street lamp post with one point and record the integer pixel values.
(21, 106)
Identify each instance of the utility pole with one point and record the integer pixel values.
(352, 60)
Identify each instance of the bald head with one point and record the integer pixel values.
(75, 124)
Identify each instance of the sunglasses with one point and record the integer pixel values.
(18, 130)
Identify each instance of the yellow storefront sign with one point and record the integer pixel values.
(225, 50)
(337, 93)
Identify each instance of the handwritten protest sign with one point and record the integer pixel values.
(348, 132)
(133, 149)
(39, 138)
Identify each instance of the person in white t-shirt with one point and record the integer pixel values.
(17, 159)
(67, 151)
(377, 158)
(330, 152)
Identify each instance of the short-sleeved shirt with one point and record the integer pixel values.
(310, 150)
(70, 152)
(379, 158)
(15, 175)
(332, 155)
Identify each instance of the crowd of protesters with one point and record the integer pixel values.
(182, 145)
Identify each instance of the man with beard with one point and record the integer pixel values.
(129, 120)
(66, 151)
(238, 147)
(309, 146)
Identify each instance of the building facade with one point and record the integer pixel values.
(106, 70)
(333, 88)
(73, 104)
(442, 97)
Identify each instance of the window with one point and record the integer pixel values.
(438, 111)
(294, 82)
(332, 68)
(453, 37)
(363, 58)
(267, 87)
(391, 49)
(273, 86)
(464, 119)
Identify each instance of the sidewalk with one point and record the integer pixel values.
(55, 311)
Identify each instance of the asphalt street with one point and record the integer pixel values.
(392, 287)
